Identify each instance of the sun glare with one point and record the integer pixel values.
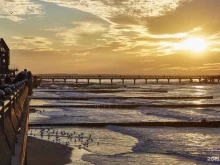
(193, 44)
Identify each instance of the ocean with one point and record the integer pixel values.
(113, 145)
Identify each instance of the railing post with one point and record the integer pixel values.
(8, 93)
(2, 112)
(16, 95)
(12, 87)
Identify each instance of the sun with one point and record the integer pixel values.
(193, 44)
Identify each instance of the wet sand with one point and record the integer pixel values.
(46, 150)
(42, 152)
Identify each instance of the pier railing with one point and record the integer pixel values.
(200, 78)
(129, 76)
(12, 111)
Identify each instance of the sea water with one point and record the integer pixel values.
(137, 145)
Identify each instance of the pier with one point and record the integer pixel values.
(14, 112)
(134, 78)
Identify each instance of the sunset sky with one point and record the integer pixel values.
(113, 36)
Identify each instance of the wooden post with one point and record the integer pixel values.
(76, 81)
(14, 99)
(157, 81)
(168, 80)
(87, 81)
(100, 81)
(111, 81)
(123, 81)
(134, 81)
(2, 113)
(9, 106)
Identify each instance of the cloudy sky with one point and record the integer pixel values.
(113, 36)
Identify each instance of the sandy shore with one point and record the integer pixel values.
(46, 150)
(42, 152)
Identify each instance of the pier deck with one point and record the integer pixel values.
(200, 78)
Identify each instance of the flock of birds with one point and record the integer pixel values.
(73, 139)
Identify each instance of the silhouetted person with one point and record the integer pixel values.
(7, 79)
(30, 82)
(203, 120)
(21, 76)
(29, 75)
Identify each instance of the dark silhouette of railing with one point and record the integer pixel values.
(12, 112)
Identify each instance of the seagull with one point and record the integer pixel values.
(11, 12)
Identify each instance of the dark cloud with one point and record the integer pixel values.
(29, 37)
(113, 2)
(40, 42)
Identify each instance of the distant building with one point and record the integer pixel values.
(5, 59)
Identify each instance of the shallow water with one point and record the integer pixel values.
(139, 145)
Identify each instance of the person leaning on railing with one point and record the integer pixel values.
(25, 75)
(30, 82)
(21, 76)
(7, 79)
